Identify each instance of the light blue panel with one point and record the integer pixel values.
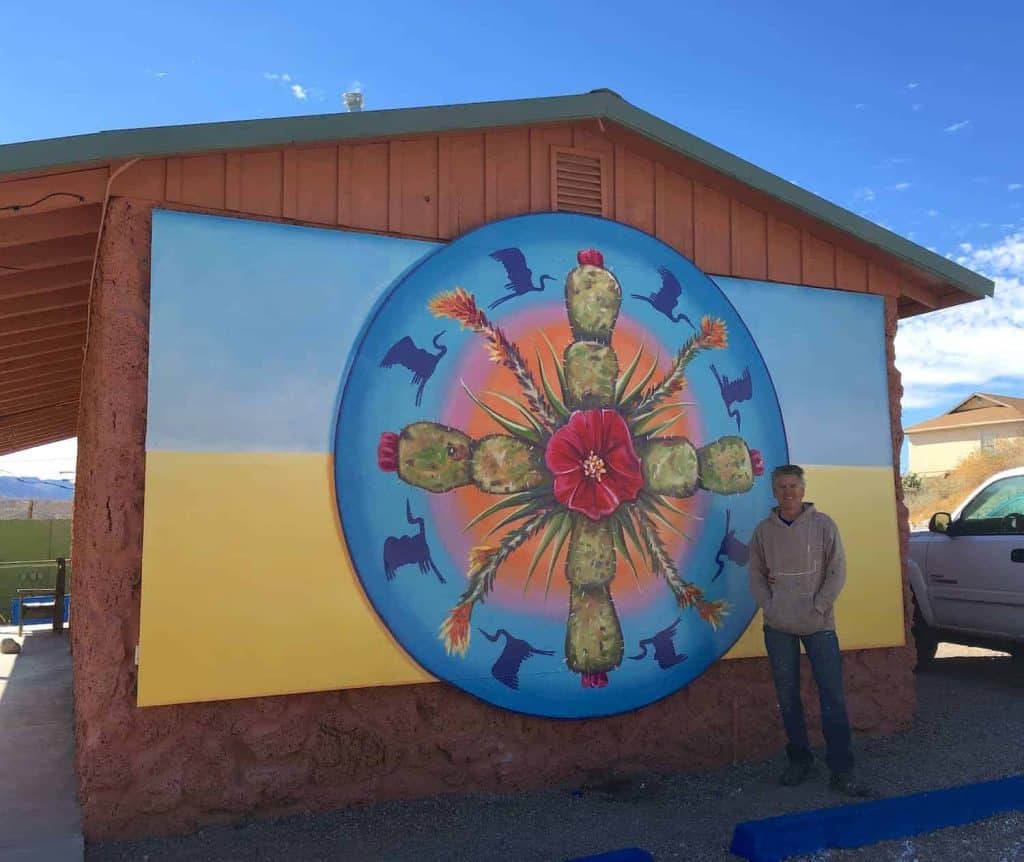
(251, 327)
(826, 353)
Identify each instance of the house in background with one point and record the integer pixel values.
(979, 422)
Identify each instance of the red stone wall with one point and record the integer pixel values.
(167, 769)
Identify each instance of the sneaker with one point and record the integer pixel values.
(795, 773)
(844, 784)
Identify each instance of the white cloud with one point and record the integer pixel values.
(160, 74)
(945, 355)
(52, 461)
(913, 85)
(932, 213)
(902, 187)
(860, 106)
(917, 106)
(271, 76)
(865, 194)
(956, 127)
(299, 92)
(1014, 186)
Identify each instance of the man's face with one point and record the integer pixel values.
(789, 491)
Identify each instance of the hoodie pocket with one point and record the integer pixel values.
(792, 604)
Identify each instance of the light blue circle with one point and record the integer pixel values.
(372, 502)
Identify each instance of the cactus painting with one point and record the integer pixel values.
(593, 482)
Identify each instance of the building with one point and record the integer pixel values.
(981, 421)
(227, 706)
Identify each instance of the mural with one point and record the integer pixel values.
(577, 493)
(378, 461)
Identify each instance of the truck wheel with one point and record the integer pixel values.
(925, 639)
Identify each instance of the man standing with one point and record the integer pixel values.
(797, 569)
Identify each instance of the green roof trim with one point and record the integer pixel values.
(605, 104)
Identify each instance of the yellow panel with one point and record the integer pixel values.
(248, 588)
(247, 585)
(869, 613)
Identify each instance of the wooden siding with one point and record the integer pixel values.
(441, 186)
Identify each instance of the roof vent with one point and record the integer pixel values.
(579, 182)
(353, 100)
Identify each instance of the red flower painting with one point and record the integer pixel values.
(594, 464)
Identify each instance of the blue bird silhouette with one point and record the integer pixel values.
(516, 651)
(730, 548)
(734, 391)
(520, 276)
(420, 362)
(402, 550)
(664, 648)
(665, 299)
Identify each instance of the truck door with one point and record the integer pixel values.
(976, 574)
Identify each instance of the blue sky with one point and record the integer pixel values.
(910, 115)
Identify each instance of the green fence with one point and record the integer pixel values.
(39, 543)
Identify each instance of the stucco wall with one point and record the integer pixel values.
(939, 451)
(164, 769)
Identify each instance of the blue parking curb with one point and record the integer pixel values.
(777, 838)
(628, 854)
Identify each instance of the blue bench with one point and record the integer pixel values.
(45, 601)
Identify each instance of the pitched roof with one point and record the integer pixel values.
(600, 104)
(981, 408)
(47, 255)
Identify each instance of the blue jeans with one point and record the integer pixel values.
(827, 665)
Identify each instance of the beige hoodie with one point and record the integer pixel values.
(806, 560)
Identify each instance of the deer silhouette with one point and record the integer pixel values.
(520, 276)
(402, 550)
(664, 647)
(420, 362)
(665, 298)
(731, 549)
(734, 391)
(516, 651)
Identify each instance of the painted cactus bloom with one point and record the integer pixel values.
(594, 464)
(586, 469)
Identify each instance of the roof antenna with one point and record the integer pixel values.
(354, 97)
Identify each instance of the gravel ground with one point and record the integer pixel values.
(968, 729)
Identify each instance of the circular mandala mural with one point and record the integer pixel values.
(550, 455)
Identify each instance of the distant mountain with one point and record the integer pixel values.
(28, 487)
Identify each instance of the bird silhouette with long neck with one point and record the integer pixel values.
(734, 391)
(516, 651)
(665, 298)
(664, 647)
(420, 362)
(520, 276)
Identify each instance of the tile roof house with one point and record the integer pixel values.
(981, 421)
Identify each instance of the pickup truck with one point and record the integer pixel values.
(967, 571)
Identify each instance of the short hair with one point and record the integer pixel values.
(788, 470)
